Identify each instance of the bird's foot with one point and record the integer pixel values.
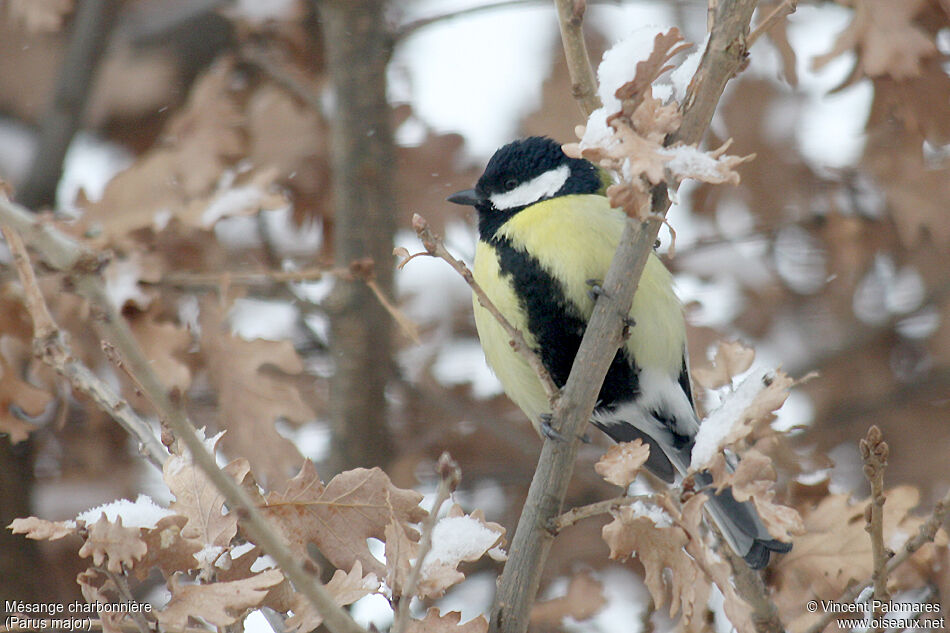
(549, 432)
(596, 290)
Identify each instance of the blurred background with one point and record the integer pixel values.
(250, 165)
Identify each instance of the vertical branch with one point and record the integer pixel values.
(874, 452)
(94, 19)
(570, 17)
(363, 157)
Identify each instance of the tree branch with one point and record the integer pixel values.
(436, 248)
(74, 259)
(91, 27)
(570, 18)
(874, 454)
(50, 345)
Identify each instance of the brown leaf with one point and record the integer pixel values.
(754, 478)
(168, 549)
(16, 393)
(835, 549)
(621, 464)
(665, 47)
(107, 541)
(658, 548)
(165, 345)
(41, 529)
(252, 395)
(199, 500)
(731, 359)
(192, 176)
(220, 603)
(345, 588)
(457, 538)
(356, 505)
(448, 623)
(584, 599)
(883, 35)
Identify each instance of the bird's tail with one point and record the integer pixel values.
(740, 525)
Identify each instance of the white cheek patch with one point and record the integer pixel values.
(543, 186)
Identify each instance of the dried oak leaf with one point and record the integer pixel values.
(715, 568)
(16, 393)
(658, 548)
(883, 35)
(220, 603)
(113, 544)
(835, 550)
(253, 394)
(731, 359)
(41, 529)
(584, 599)
(356, 505)
(448, 623)
(193, 176)
(621, 464)
(200, 501)
(168, 549)
(754, 478)
(631, 94)
(345, 588)
(752, 403)
(164, 344)
(457, 538)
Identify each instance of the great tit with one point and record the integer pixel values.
(546, 234)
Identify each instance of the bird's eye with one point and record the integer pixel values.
(510, 184)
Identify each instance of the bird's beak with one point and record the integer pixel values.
(467, 197)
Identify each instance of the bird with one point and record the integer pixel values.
(546, 237)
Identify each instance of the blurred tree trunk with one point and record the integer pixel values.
(21, 577)
(358, 51)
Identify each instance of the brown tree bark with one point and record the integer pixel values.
(363, 155)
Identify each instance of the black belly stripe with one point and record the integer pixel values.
(558, 326)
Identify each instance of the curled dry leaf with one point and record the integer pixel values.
(356, 505)
(754, 478)
(731, 359)
(621, 464)
(448, 623)
(458, 538)
(220, 603)
(632, 533)
(110, 543)
(752, 403)
(43, 530)
(345, 588)
(584, 599)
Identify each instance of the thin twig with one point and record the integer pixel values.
(410, 28)
(874, 452)
(127, 598)
(570, 17)
(67, 255)
(575, 515)
(51, 346)
(784, 9)
(449, 476)
(436, 248)
(258, 56)
(925, 534)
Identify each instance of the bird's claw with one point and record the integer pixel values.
(549, 431)
(596, 290)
